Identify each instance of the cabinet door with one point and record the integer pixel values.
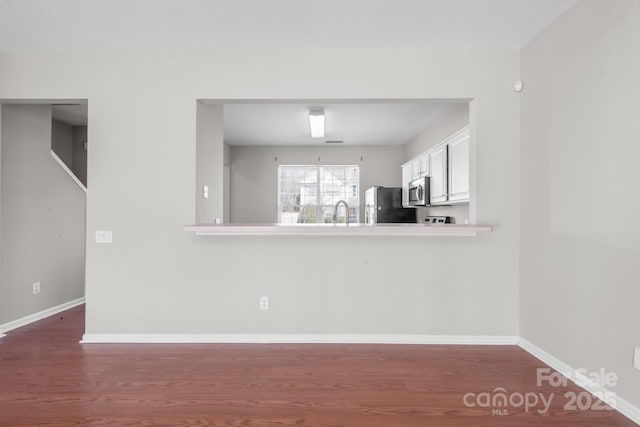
(459, 169)
(407, 176)
(438, 169)
(415, 169)
(424, 165)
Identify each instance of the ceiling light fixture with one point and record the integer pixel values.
(316, 120)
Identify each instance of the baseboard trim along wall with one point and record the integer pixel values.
(299, 339)
(574, 375)
(14, 324)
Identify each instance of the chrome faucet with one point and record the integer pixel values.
(346, 211)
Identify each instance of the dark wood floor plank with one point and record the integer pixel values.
(48, 379)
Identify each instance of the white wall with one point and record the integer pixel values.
(1, 237)
(62, 142)
(68, 143)
(254, 172)
(157, 278)
(210, 161)
(80, 153)
(43, 218)
(226, 182)
(579, 184)
(446, 124)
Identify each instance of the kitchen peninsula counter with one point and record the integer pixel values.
(415, 230)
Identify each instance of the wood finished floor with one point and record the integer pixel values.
(48, 379)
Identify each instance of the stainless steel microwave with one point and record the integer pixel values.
(419, 194)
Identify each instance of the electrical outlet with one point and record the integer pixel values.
(205, 191)
(636, 358)
(36, 288)
(264, 303)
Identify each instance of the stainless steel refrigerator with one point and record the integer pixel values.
(384, 205)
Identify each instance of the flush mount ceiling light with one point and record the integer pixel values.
(316, 120)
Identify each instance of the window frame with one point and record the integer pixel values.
(319, 207)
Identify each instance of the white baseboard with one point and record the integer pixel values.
(9, 326)
(624, 407)
(299, 339)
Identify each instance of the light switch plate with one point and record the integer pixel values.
(104, 236)
(636, 358)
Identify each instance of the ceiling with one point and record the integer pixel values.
(71, 114)
(205, 24)
(381, 123)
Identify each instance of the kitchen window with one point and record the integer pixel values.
(307, 194)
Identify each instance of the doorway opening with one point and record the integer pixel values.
(43, 177)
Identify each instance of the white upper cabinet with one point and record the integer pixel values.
(424, 165)
(448, 166)
(407, 176)
(438, 169)
(415, 169)
(420, 166)
(459, 167)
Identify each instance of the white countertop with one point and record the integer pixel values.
(336, 229)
